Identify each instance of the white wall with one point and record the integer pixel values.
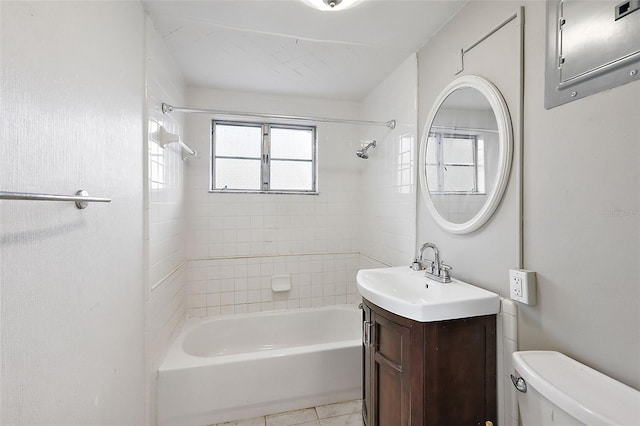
(388, 179)
(236, 242)
(72, 302)
(166, 298)
(581, 220)
(580, 192)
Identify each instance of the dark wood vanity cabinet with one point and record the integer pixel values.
(431, 373)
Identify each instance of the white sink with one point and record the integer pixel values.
(404, 292)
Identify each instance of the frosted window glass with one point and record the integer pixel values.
(156, 166)
(238, 141)
(263, 157)
(291, 175)
(459, 151)
(292, 144)
(480, 167)
(237, 174)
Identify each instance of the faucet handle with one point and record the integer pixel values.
(429, 266)
(415, 265)
(444, 272)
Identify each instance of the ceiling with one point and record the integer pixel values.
(287, 47)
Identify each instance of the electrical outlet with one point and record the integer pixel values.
(522, 285)
(516, 285)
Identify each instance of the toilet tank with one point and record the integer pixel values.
(562, 391)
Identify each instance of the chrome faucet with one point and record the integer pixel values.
(434, 269)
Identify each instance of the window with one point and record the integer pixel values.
(254, 157)
(156, 158)
(455, 164)
(405, 169)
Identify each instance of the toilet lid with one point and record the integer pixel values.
(586, 394)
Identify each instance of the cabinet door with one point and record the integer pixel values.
(367, 356)
(460, 373)
(391, 373)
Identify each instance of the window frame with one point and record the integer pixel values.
(441, 164)
(265, 158)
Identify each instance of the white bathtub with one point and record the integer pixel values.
(227, 368)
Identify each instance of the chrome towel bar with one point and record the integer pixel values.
(81, 198)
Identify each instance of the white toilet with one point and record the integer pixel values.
(557, 390)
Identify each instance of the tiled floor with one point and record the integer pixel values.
(340, 414)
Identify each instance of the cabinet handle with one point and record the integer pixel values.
(366, 333)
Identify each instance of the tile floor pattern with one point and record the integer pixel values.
(340, 414)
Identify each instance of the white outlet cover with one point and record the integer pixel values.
(522, 286)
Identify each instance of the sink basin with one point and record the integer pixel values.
(404, 292)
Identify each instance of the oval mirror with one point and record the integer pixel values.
(465, 154)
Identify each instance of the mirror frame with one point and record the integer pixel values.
(505, 153)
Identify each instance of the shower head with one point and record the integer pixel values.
(364, 152)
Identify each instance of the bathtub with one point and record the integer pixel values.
(232, 367)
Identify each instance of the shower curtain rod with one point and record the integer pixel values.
(166, 108)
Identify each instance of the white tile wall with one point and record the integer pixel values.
(227, 225)
(165, 208)
(166, 311)
(236, 242)
(368, 262)
(166, 272)
(164, 196)
(507, 328)
(239, 285)
(223, 225)
(388, 179)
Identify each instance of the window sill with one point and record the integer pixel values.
(456, 193)
(232, 191)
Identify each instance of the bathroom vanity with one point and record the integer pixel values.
(427, 363)
(431, 373)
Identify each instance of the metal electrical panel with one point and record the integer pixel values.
(591, 46)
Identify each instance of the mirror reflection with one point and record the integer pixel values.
(462, 155)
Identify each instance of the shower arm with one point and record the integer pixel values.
(369, 145)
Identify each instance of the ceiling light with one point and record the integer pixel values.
(332, 5)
